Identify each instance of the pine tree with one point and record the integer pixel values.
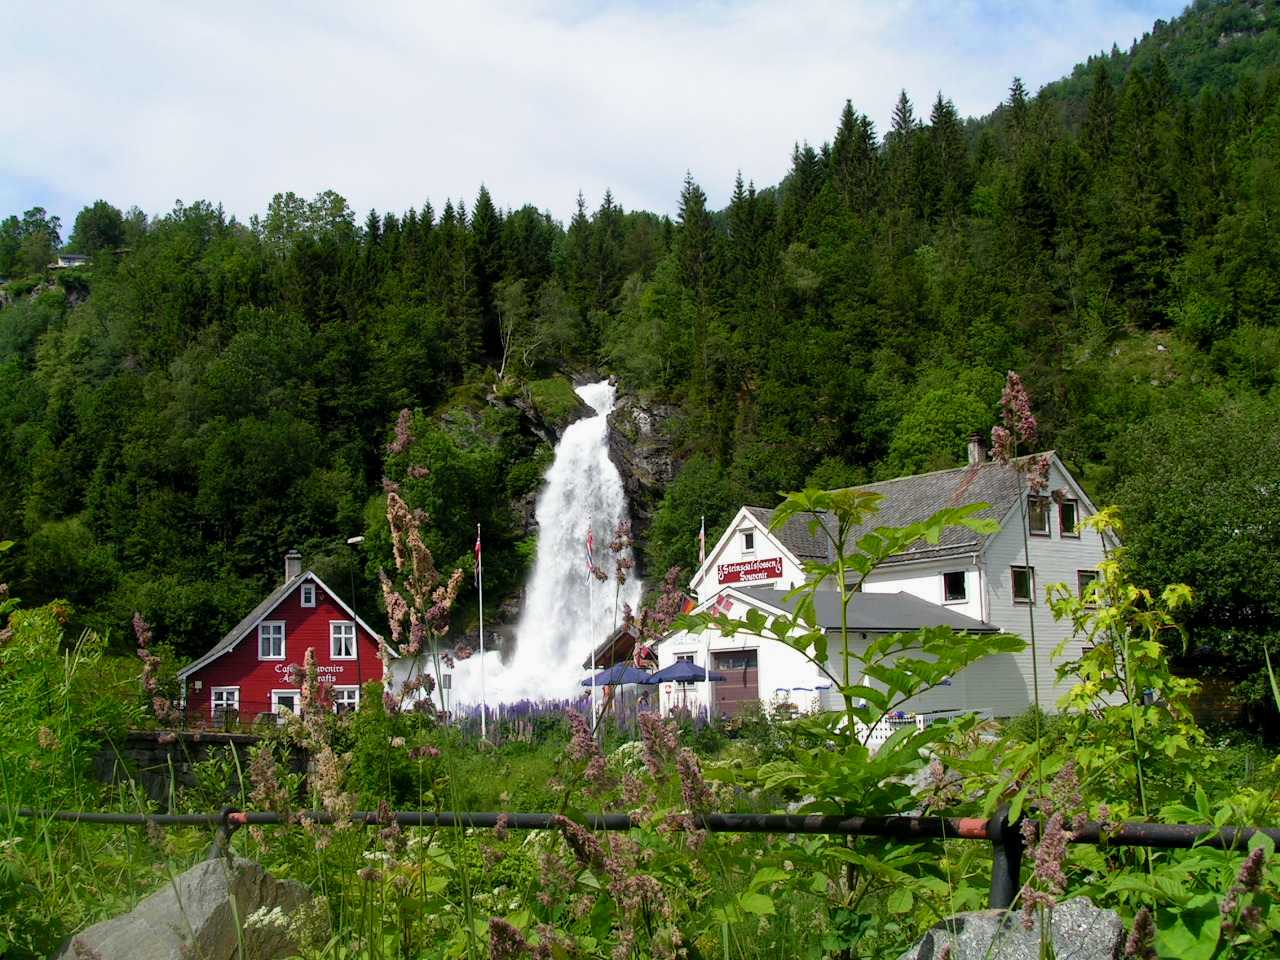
(902, 154)
(577, 257)
(1016, 106)
(606, 268)
(947, 176)
(1099, 124)
(486, 233)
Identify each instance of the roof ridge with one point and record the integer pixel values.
(963, 466)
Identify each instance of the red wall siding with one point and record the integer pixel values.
(304, 627)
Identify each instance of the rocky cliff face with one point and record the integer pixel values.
(640, 447)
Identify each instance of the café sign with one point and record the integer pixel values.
(749, 571)
(324, 674)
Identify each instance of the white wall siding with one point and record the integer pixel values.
(730, 550)
(1056, 559)
(780, 666)
(924, 580)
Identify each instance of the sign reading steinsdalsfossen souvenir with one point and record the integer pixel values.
(747, 571)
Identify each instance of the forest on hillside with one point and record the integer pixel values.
(209, 392)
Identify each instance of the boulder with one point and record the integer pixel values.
(201, 915)
(1079, 931)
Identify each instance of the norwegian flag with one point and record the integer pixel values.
(591, 558)
(723, 604)
(477, 549)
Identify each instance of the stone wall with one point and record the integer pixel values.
(161, 762)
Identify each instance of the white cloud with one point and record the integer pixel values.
(391, 103)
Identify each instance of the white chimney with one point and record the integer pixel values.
(292, 565)
(977, 448)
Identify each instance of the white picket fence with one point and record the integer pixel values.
(888, 726)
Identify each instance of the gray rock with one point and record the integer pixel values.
(641, 448)
(199, 915)
(1080, 931)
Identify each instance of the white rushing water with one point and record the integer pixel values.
(566, 611)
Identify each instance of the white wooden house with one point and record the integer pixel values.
(970, 581)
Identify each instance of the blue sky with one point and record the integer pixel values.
(394, 102)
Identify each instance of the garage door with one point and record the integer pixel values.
(741, 684)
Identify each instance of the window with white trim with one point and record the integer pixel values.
(285, 701)
(222, 699)
(1068, 518)
(271, 640)
(346, 699)
(953, 587)
(748, 541)
(1083, 579)
(342, 640)
(1037, 515)
(307, 594)
(1023, 580)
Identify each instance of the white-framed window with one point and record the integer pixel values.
(222, 699)
(748, 541)
(689, 657)
(307, 594)
(346, 699)
(1023, 581)
(285, 701)
(1083, 579)
(1068, 518)
(953, 587)
(271, 640)
(1037, 515)
(342, 640)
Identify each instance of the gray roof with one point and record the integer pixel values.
(908, 500)
(875, 612)
(269, 602)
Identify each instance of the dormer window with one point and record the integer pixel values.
(308, 594)
(1038, 516)
(748, 541)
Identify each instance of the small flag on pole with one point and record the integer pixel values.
(702, 543)
(591, 559)
(477, 549)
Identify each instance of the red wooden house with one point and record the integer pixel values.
(249, 670)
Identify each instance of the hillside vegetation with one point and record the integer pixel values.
(212, 392)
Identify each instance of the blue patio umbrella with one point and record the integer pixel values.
(619, 673)
(682, 671)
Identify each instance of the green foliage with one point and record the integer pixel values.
(554, 400)
(1199, 513)
(699, 489)
(98, 228)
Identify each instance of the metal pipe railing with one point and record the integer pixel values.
(1005, 837)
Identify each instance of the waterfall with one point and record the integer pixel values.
(566, 611)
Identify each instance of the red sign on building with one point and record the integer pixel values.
(747, 571)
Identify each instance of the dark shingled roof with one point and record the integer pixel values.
(911, 499)
(240, 629)
(875, 612)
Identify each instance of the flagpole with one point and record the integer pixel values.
(591, 624)
(484, 730)
(706, 634)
